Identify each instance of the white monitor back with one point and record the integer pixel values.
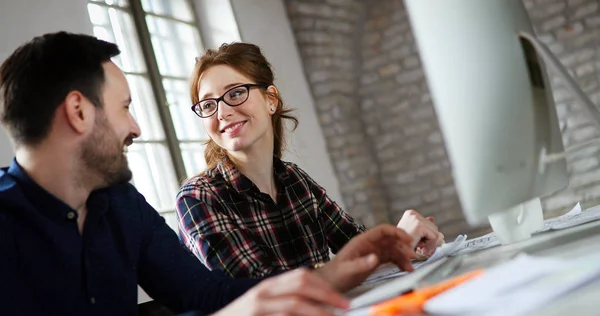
(494, 105)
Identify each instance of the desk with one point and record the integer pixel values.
(569, 244)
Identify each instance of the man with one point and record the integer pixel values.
(76, 238)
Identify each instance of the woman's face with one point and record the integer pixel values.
(236, 128)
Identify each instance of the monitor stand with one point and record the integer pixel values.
(518, 223)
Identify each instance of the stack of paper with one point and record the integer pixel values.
(391, 271)
(573, 218)
(516, 287)
(461, 246)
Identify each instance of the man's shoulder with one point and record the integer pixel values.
(121, 198)
(12, 199)
(7, 181)
(122, 192)
(9, 189)
(124, 201)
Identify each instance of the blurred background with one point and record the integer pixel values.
(368, 131)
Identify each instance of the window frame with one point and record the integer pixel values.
(155, 78)
(173, 143)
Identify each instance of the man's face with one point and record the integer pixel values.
(103, 152)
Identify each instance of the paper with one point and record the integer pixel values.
(483, 242)
(516, 287)
(462, 246)
(480, 293)
(391, 271)
(446, 249)
(542, 279)
(589, 215)
(393, 288)
(384, 272)
(573, 218)
(551, 223)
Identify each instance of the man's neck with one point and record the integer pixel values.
(62, 179)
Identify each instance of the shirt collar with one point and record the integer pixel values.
(232, 175)
(43, 200)
(241, 183)
(281, 171)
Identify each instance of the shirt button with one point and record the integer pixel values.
(93, 300)
(71, 215)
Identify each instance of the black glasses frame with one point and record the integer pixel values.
(248, 86)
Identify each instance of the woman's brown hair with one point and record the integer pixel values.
(250, 62)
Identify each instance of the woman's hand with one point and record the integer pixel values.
(425, 234)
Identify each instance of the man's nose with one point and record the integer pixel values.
(135, 128)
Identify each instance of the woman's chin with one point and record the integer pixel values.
(236, 146)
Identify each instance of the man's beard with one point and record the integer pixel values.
(102, 154)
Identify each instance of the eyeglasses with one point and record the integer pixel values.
(233, 97)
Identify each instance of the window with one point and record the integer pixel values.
(159, 41)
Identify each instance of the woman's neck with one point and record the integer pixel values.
(257, 165)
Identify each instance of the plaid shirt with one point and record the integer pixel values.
(230, 225)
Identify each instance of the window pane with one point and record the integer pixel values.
(116, 26)
(153, 174)
(178, 9)
(144, 108)
(121, 3)
(176, 46)
(193, 158)
(188, 126)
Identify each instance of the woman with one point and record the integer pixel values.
(250, 214)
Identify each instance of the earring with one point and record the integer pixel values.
(272, 110)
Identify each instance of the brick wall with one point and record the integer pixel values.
(380, 125)
(326, 34)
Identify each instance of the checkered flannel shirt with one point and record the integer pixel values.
(231, 226)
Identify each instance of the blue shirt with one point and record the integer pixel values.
(48, 268)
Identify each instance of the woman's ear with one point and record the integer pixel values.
(272, 99)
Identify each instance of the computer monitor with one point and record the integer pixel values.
(490, 89)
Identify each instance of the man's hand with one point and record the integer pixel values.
(298, 292)
(363, 253)
(424, 232)
(315, 293)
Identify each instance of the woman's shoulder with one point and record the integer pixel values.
(292, 168)
(302, 176)
(290, 165)
(208, 182)
(296, 171)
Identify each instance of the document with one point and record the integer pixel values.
(391, 271)
(479, 243)
(589, 215)
(516, 287)
(574, 217)
(463, 246)
(392, 289)
(554, 222)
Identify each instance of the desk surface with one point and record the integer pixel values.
(569, 244)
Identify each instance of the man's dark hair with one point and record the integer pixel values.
(37, 77)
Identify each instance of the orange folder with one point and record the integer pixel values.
(413, 303)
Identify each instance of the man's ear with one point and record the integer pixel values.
(79, 112)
